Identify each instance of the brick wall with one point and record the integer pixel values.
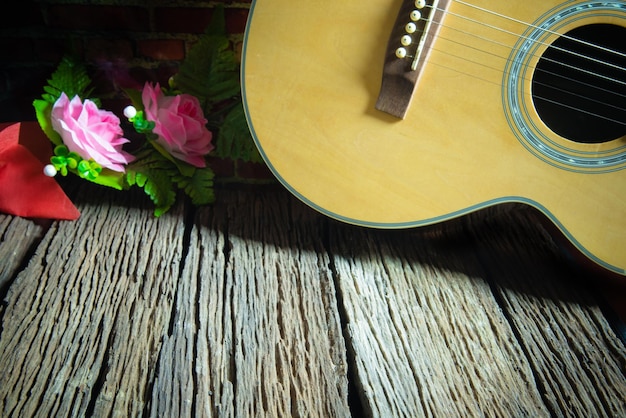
(124, 42)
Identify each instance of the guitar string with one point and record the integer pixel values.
(543, 84)
(508, 59)
(581, 110)
(606, 63)
(530, 25)
(617, 81)
(499, 29)
(541, 97)
(537, 82)
(576, 81)
(536, 96)
(618, 122)
(552, 73)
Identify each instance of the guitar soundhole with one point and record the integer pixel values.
(579, 84)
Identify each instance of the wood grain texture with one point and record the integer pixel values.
(84, 321)
(259, 306)
(552, 305)
(310, 102)
(256, 329)
(17, 235)
(428, 335)
(437, 331)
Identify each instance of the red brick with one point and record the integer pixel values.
(160, 75)
(236, 20)
(109, 50)
(162, 49)
(238, 48)
(196, 19)
(90, 17)
(221, 167)
(110, 76)
(256, 171)
(142, 75)
(182, 19)
(166, 70)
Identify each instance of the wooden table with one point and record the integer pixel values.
(258, 306)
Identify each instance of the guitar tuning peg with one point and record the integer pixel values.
(401, 52)
(415, 15)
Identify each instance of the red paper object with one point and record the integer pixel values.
(24, 190)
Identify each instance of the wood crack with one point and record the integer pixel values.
(559, 319)
(489, 277)
(260, 306)
(358, 408)
(19, 240)
(104, 368)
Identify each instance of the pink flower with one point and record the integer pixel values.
(90, 132)
(179, 124)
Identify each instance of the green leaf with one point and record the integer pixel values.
(160, 189)
(52, 92)
(199, 186)
(112, 179)
(154, 173)
(157, 185)
(135, 98)
(141, 179)
(184, 168)
(43, 108)
(234, 140)
(211, 70)
(217, 25)
(70, 77)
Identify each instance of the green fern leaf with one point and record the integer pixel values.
(70, 77)
(234, 140)
(211, 71)
(154, 174)
(160, 189)
(198, 186)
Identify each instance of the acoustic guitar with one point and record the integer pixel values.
(396, 114)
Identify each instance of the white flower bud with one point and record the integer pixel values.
(130, 112)
(49, 170)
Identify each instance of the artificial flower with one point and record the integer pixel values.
(171, 139)
(90, 132)
(179, 124)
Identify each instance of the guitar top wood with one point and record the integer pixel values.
(311, 75)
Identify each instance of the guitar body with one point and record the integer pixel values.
(472, 138)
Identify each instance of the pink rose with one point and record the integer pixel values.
(179, 124)
(90, 132)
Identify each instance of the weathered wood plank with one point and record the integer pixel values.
(578, 362)
(17, 235)
(234, 312)
(84, 321)
(428, 337)
(256, 330)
